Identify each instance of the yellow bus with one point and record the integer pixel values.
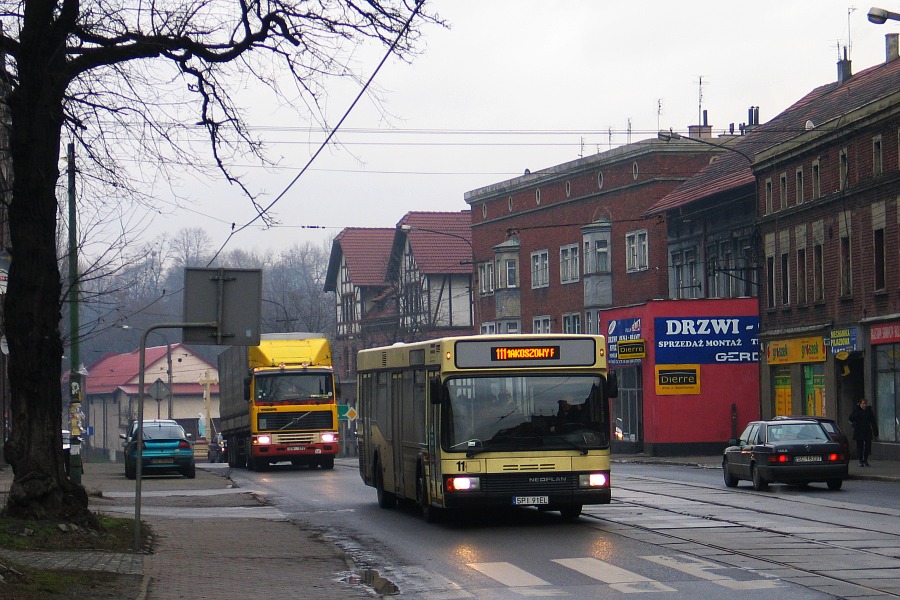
(487, 420)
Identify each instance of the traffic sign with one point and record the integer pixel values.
(159, 390)
(346, 412)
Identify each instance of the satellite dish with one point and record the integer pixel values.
(810, 125)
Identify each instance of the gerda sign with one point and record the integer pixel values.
(685, 343)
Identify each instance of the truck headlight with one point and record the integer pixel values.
(329, 437)
(263, 440)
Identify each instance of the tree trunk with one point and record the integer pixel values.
(40, 487)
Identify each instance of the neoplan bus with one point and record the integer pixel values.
(487, 420)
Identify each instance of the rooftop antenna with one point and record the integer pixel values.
(700, 101)
(629, 130)
(850, 10)
(658, 112)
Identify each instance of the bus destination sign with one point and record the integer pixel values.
(504, 353)
(512, 353)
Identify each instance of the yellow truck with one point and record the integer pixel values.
(278, 402)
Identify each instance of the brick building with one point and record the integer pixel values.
(829, 228)
(406, 283)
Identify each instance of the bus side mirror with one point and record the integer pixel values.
(437, 390)
(247, 388)
(337, 388)
(612, 384)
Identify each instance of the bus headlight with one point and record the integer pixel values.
(329, 437)
(593, 480)
(463, 484)
(263, 440)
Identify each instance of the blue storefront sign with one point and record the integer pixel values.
(706, 340)
(622, 329)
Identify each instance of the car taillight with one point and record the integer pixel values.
(184, 445)
(780, 459)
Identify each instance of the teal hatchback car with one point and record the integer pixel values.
(166, 448)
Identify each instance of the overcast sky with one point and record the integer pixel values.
(516, 84)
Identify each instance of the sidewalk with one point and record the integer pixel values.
(214, 541)
(210, 541)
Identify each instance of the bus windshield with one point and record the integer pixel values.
(485, 414)
(294, 388)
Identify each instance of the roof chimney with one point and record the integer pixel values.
(844, 71)
(891, 46)
(703, 131)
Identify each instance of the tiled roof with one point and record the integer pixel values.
(441, 241)
(366, 251)
(116, 370)
(822, 105)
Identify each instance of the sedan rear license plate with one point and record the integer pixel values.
(296, 448)
(530, 500)
(159, 461)
(807, 459)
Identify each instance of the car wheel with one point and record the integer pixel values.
(429, 512)
(759, 484)
(190, 471)
(730, 480)
(835, 484)
(130, 470)
(385, 498)
(571, 512)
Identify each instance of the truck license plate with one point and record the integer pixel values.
(530, 500)
(296, 448)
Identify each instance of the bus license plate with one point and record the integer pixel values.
(807, 459)
(296, 448)
(530, 500)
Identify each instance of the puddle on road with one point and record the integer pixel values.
(372, 579)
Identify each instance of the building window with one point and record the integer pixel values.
(785, 279)
(596, 256)
(782, 190)
(816, 181)
(540, 269)
(569, 268)
(589, 322)
(801, 276)
(877, 158)
(799, 191)
(846, 272)
(636, 251)
(879, 252)
(488, 328)
(844, 169)
(537, 196)
(769, 196)
(541, 324)
(770, 281)
(510, 272)
(568, 189)
(509, 327)
(818, 272)
(486, 278)
(571, 323)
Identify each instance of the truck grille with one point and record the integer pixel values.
(294, 421)
(529, 485)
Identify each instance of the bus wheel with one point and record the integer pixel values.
(385, 499)
(327, 463)
(571, 512)
(430, 513)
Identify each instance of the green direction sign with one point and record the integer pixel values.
(346, 412)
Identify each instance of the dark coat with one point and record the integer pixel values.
(865, 427)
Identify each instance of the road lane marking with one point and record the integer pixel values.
(508, 574)
(701, 569)
(618, 578)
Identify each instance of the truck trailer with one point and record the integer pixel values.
(278, 402)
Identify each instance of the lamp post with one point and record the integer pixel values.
(168, 373)
(879, 15)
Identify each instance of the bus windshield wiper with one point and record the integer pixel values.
(294, 420)
(579, 447)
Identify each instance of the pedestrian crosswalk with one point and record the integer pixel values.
(627, 581)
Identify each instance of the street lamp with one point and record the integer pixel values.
(879, 15)
(168, 371)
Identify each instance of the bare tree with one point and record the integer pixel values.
(151, 81)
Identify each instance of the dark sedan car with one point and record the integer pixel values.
(797, 451)
(831, 427)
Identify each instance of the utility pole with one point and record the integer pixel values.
(206, 381)
(75, 391)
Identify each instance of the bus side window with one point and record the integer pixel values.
(436, 393)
